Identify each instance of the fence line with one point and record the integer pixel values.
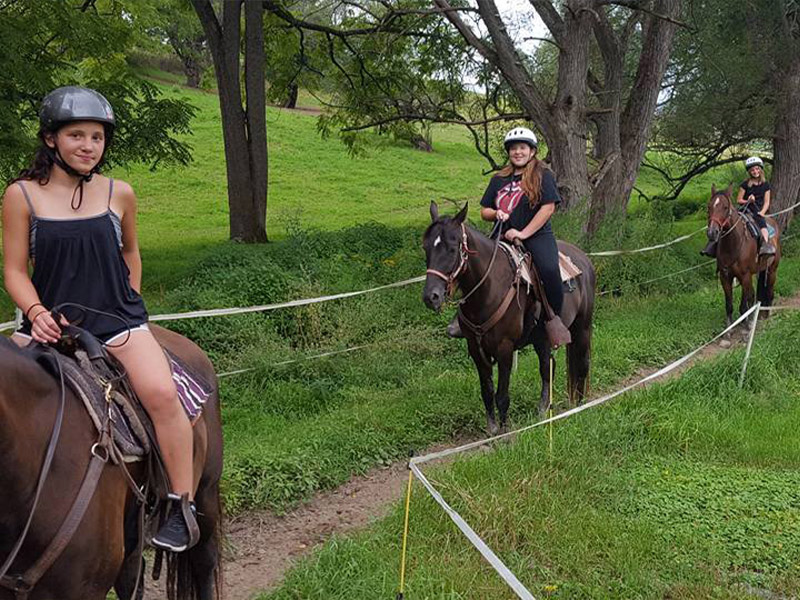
(503, 571)
(297, 360)
(646, 248)
(663, 371)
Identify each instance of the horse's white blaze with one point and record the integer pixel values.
(437, 241)
(717, 202)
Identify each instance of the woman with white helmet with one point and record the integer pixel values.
(753, 198)
(77, 229)
(523, 196)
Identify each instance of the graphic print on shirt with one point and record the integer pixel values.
(508, 197)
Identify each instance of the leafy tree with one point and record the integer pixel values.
(51, 43)
(408, 61)
(175, 23)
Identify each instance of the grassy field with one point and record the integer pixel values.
(685, 490)
(340, 224)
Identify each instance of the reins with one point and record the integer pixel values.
(48, 460)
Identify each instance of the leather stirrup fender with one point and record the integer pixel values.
(557, 332)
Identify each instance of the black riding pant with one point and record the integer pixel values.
(544, 251)
(752, 210)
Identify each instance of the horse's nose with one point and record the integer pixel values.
(433, 299)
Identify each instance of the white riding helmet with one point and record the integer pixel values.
(753, 161)
(521, 134)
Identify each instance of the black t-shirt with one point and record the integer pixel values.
(758, 191)
(505, 193)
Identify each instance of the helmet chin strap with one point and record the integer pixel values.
(82, 178)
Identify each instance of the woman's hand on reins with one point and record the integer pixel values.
(501, 216)
(44, 328)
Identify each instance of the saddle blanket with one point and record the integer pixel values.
(569, 270)
(130, 430)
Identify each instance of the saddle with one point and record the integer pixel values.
(100, 382)
(521, 262)
(752, 227)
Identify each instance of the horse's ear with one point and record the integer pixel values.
(434, 212)
(462, 214)
(730, 189)
(713, 189)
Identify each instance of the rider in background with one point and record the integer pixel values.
(77, 228)
(522, 197)
(754, 197)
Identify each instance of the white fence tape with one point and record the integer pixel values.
(647, 248)
(297, 360)
(473, 537)
(785, 210)
(215, 312)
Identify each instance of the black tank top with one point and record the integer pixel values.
(80, 261)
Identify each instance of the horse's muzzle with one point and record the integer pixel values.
(433, 296)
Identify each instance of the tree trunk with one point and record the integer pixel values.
(291, 100)
(611, 196)
(193, 72)
(786, 143)
(243, 126)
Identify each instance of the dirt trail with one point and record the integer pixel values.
(261, 547)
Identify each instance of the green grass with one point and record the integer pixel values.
(685, 490)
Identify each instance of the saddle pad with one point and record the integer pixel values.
(568, 269)
(193, 390)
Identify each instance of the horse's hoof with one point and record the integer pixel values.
(492, 429)
(724, 343)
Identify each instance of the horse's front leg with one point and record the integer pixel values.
(748, 297)
(726, 279)
(487, 385)
(543, 351)
(505, 361)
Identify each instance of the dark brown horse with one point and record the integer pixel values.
(464, 256)
(737, 254)
(103, 552)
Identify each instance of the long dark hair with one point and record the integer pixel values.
(531, 182)
(45, 157)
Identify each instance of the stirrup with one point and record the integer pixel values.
(557, 332)
(767, 248)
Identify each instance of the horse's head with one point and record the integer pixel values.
(720, 211)
(445, 255)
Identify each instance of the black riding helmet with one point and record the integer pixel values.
(73, 103)
(69, 104)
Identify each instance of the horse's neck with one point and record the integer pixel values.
(477, 265)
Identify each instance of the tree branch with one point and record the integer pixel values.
(637, 5)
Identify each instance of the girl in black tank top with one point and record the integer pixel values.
(78, 230)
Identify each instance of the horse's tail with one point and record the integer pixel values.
(579, 354)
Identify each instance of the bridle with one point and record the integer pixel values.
(464, 253)
(726, 222)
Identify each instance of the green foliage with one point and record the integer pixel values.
(52, 43)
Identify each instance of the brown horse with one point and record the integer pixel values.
(737, 254)
(464, 255)
(103, 552)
